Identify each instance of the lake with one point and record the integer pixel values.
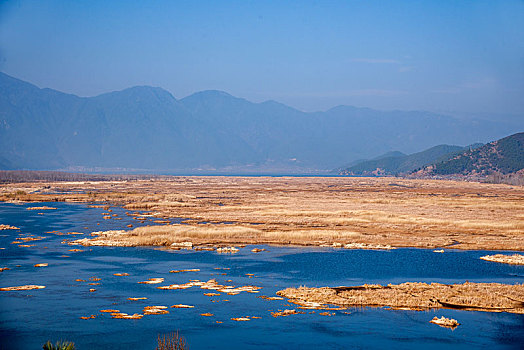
(29, 318)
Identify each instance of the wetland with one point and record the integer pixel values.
(132, 260)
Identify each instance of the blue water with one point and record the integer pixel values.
(29, 318)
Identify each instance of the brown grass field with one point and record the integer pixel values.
(302, 210)
(491, 297)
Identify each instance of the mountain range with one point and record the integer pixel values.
(147, 129)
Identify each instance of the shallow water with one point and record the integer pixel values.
(29, 318)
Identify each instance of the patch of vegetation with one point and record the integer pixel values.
(504, 156)
(15, 195)
(59, 345)
(171, 341)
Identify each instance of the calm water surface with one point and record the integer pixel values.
(29, 318)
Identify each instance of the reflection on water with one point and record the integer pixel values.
(29, 318)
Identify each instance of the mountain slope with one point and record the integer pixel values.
(503, 156)
(343, 168)
(399, 164)
(147, 128)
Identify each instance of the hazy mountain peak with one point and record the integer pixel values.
(345, 108)
(140, 91)
(206, 94)
(212, 99)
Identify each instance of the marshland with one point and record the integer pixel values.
(302, 210)
(223, 260)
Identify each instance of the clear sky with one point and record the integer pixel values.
(454, 56)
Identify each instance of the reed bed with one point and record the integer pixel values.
(400, 212)
(492, 297)
(218, 234)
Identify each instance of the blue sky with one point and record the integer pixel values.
(446, 56)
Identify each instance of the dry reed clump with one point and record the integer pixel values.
(283, 313)
(155, 310)
(184, 270)
(368, 246)
(240, 319)
(445, 322)
(26, 287)
(171, 341)
(269, 298)
(30, 238)
(87, 317)
(227, 250)
(8, 227)
(124, 316)
(493, 297)
(153, 280)
(41, 208)
(515, 259)
(59, 345)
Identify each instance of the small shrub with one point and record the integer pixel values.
(59, 345)
(171, 341)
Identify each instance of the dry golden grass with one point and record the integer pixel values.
(515, 259)
(493, 297)
(286, 210)
(8, 227)
(213, 234)
(445, 322)
(26, 287)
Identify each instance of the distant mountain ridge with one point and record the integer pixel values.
(504, 156)
(146, 128)
(394, 163)
(391, 154)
